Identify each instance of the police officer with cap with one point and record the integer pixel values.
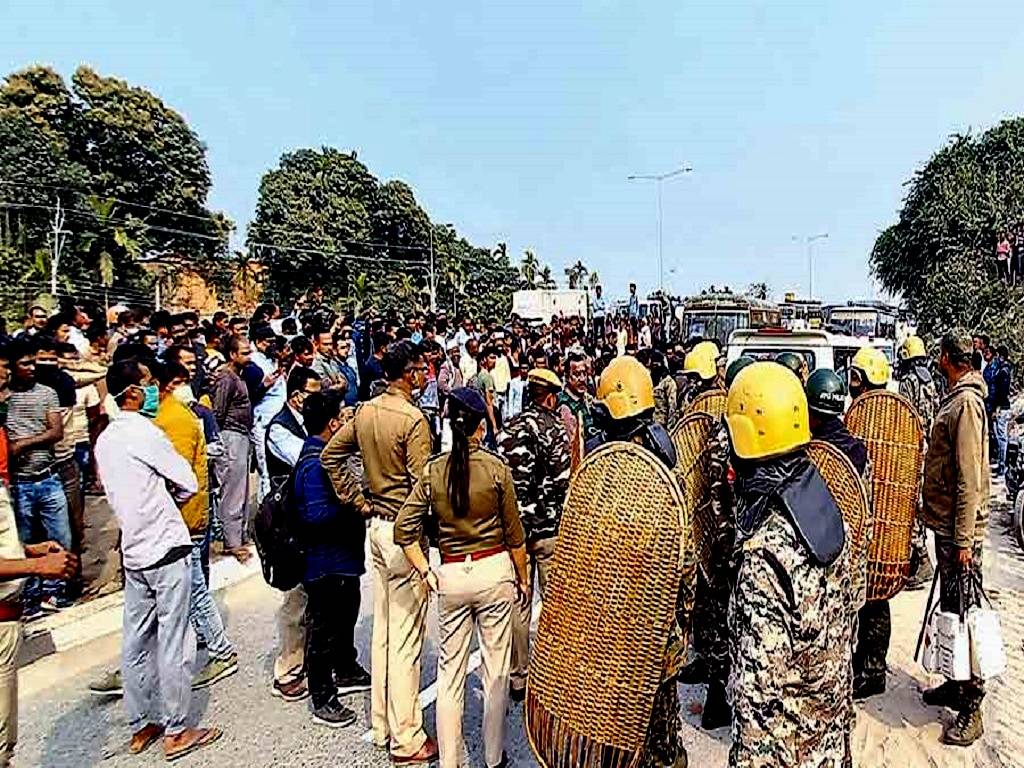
(536, 447)
(701, 370)
(796, 363)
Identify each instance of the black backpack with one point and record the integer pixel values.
(275, 532)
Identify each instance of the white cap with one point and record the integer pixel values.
(452, 344)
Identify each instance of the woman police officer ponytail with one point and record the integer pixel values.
(469, 494)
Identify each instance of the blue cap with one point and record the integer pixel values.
(470, 399)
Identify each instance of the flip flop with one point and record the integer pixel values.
(206, 737)
(154, 732)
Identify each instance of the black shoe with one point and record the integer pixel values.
(334, 714)
(922, 576)
(694, 673)
(717, 712)
(949, 695)
(518, 695)
(356, 680)
(865, 687)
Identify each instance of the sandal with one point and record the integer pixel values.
(145, 738)
(203, 738)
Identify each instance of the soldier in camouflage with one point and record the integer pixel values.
(536, 447)
(789, 617)
(919, 386)
(701, 370)
(624, 413)
(711, 606)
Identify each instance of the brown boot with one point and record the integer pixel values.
(966, 729)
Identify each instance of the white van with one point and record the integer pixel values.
(820, 349)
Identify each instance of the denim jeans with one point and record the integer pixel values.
(203, 612)
(41, 509)
(999, 428)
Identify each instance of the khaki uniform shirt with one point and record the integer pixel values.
(10, 545)
(491, 521)
(393, 437)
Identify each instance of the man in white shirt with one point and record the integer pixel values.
(140, 470)
(271, 403)
(468, 363)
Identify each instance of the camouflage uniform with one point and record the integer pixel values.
(666, 402)
(711, 609)
(789, 627)
(536, 447)
(918, 385)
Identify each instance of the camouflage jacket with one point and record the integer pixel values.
(790, 641)
(536, 447)
(919, 387)
(665, 402)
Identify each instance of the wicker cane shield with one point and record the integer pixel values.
(608, 608)
(892, 432)
(693, 443)
(711, 402)
(850, 495)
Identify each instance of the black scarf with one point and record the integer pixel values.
(757, 484)
(832, 430)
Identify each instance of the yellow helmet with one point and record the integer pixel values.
(703, 360)
(912, 347)
(874, 364)
(766, 412)
(625, 388)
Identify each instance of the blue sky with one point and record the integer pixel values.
(521, 121)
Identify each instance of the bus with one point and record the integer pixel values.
(716, 315)
(863, 319)
(798, 314)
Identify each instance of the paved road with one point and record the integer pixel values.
(63, 725)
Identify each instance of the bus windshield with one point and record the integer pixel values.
(715, 325)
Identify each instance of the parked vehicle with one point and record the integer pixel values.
(820, 349)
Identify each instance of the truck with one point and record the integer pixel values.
(541, 305)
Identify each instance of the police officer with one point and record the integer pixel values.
(483, 565)
(789, 617)
(701, 369)
(826, 401)
(796, 363)
(919, 387)
(536, 447)
(869, 371)
(625, 413)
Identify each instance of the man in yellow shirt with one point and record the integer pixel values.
(186, 435)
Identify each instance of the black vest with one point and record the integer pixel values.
(285, 418)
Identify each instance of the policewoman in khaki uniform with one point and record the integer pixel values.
(469, 494)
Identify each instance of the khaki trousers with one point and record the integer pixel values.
(10, 642)
(540, 554)
(480, 593)
(290, 663)
(399, 616)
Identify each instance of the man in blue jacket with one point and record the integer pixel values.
(332, 535)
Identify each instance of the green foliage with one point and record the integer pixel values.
(322, 218)
(940, 253)
(99, 140)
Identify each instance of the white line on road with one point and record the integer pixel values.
(429, 694)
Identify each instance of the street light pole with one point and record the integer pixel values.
(809, 240)
(658, 178)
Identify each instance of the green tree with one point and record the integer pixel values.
(529, 269)
(940, 253)
(577, 275)
(544, 279)
(758, 291)
(102, 138)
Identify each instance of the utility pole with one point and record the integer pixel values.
(433, 282)
(659, 178)
(810, 240)
(56, 245)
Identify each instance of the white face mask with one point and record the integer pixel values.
(184, 394)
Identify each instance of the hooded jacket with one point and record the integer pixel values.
(956, 474)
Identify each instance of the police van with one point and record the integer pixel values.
(821, 349)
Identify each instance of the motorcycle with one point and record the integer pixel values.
(1015, 476)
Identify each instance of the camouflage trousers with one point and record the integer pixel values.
(663, 744)
(953, 581)
(874, 629)
(710, 622)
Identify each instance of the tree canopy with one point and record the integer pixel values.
(940, 253)
(322, 218)
(130, 174)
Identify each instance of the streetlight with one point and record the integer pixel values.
(809, 240)
(659, 177)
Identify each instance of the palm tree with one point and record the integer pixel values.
(360, 292)
(594, 280)
(529, 269)
(575, 274)
(546, 281)
(103, 212)
(455, 273)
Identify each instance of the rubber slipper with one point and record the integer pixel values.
(206, 737)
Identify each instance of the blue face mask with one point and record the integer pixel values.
(151, 401)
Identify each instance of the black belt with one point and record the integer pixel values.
(33, 477)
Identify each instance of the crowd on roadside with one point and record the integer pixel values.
(184, 422)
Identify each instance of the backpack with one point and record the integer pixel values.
(275, 532)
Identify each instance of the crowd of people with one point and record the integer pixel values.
(386, 432)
